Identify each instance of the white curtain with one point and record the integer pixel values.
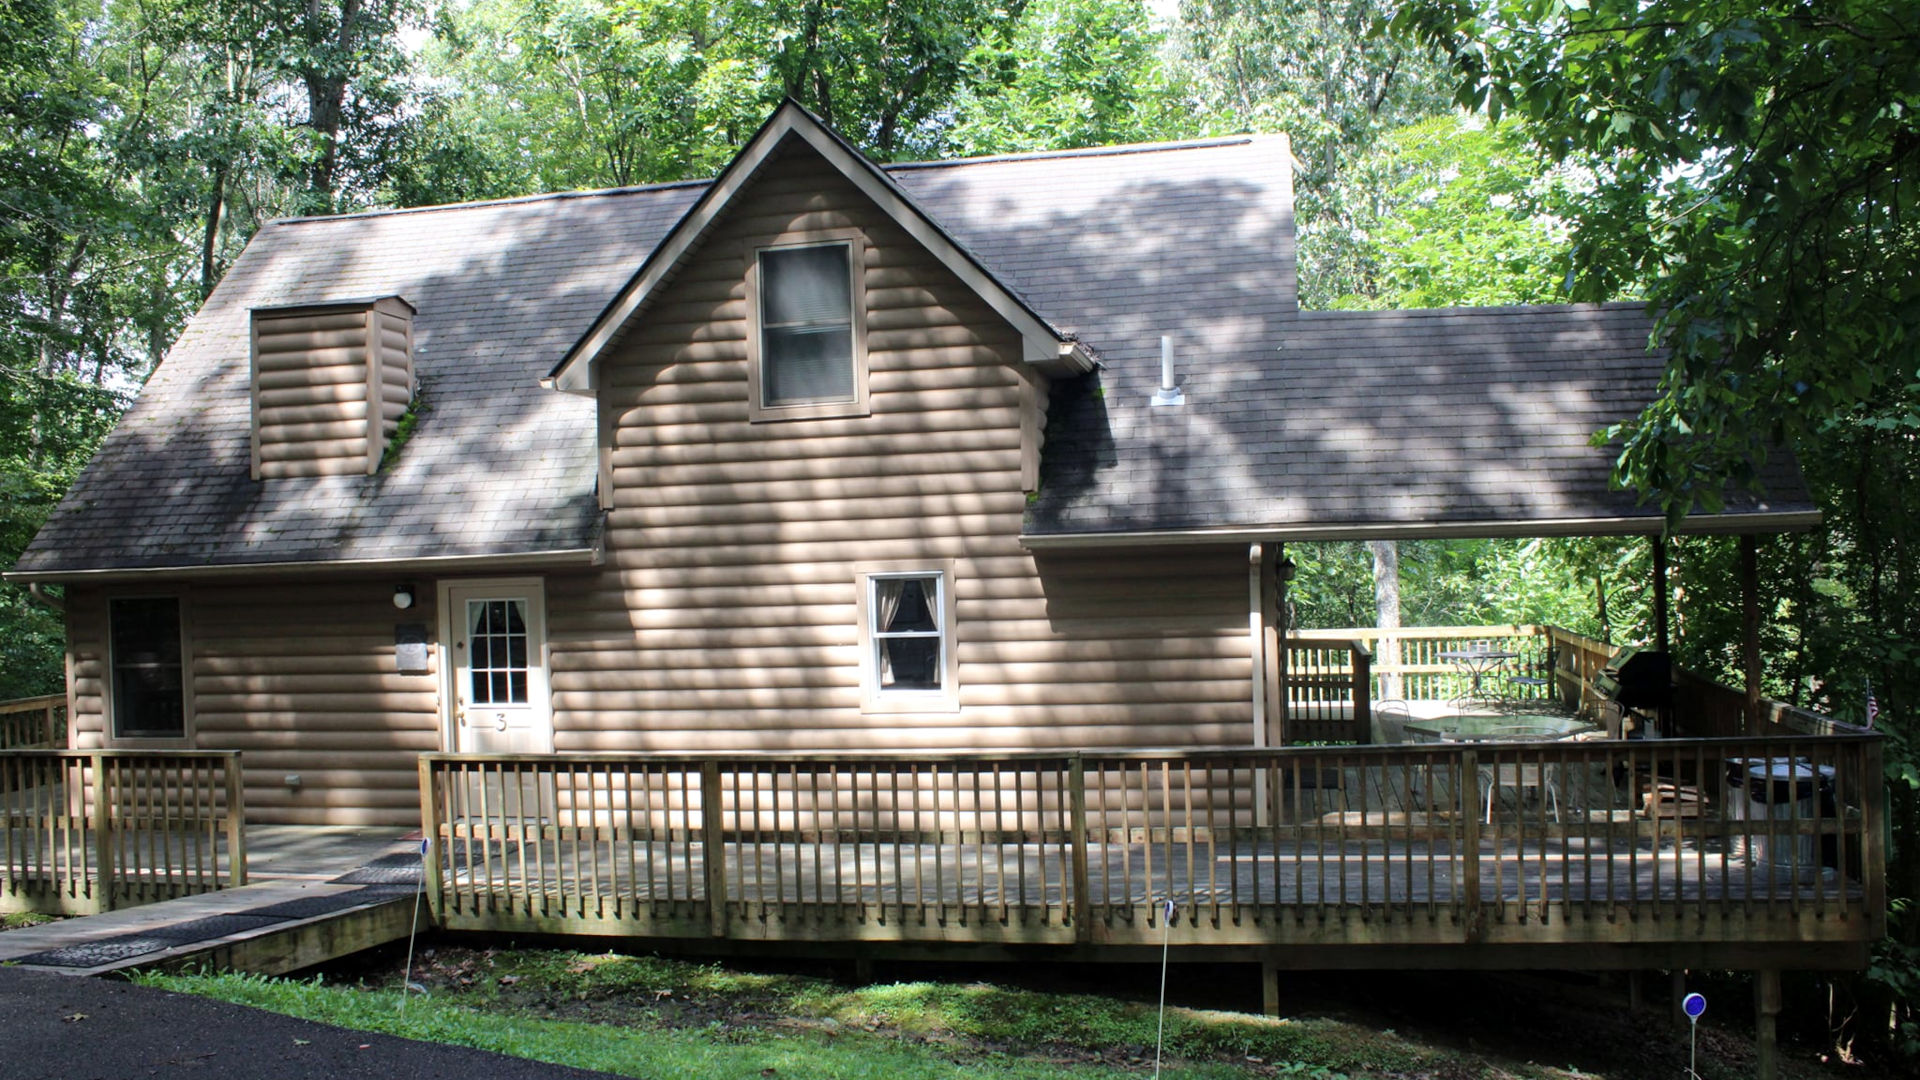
(886, 604)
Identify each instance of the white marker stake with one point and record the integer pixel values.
(406, 976)
(1694, 1005)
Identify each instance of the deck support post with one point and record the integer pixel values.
(1676, 1003)
(1269, 988)
(1661, 640)
(430, 831)
(1077, 833)
(1766, 1014)
(236, 823)
(1750, 626)
(102, 836)
(713, 847)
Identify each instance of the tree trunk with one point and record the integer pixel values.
(1386, 606)
(326, 78)
(209, 240)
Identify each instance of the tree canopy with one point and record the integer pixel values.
(1756, 167)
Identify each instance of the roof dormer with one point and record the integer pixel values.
(330, 384)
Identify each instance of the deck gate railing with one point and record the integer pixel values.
(1329, 691)
(1680, 840)
(88, 831)
(36, 723)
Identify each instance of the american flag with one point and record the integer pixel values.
(1873, 705)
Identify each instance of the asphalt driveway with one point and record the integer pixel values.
(59, 1026)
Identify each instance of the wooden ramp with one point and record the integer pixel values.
(323, 898)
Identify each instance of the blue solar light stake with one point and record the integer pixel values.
(1694, 1005)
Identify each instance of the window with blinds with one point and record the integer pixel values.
(808, 339)
(806, 325)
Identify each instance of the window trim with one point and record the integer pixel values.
(109, 708)
(856, 243)
(872, 698)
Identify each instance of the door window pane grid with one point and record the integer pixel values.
(497, 652)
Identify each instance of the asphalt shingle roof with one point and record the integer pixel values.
(1469, 421)
(1291, 420)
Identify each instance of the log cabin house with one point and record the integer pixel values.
(871, 479)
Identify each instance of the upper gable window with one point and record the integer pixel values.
(809, 335)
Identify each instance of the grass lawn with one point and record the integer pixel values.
(16, 920)
(670, 1019)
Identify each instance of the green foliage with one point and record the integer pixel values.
(1482, 582)
(1314, 70)
(1754, 173)
(1465, 214)
(1070, 73)
(403, 430)
(48, 429)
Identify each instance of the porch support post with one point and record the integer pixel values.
(1750, 625)
(1660, 636)
(1766, 1014)
(1269, 988)
(1257, 636)
(1278, 697)
(1261, 644)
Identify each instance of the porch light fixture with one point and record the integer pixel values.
(403, 597)
(1286, 569)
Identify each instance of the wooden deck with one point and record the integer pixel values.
(1256, 850)
(317, 894)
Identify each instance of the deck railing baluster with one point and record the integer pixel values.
(564, 815)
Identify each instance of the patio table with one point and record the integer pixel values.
(1476, 663)
(1525, 727)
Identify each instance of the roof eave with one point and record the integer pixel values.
(556, 559)
(1724, 523)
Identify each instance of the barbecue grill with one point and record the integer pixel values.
(1640, 682)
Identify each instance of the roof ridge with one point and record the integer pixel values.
(1483, 309)
(479, 204)
(1118, 150)
(1121, 150)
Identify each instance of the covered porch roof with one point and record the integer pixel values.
(1458, 422)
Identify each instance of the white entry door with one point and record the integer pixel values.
(496, 635)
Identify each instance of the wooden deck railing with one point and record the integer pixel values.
(1329, 691)
(36, 723)
(1406, 663)
(83, 832)
(1441, 844)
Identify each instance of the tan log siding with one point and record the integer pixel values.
(396, 370)
(725, 617)
(310, 394)
(302, 679)
(86, 667)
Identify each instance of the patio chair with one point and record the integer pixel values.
(1520, 776)
(1391, 717)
